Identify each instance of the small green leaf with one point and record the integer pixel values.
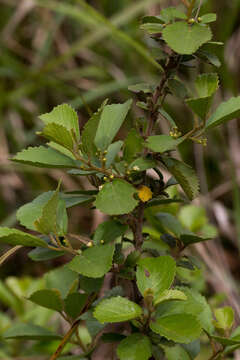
(63, 115)
(116, 198)
(43, 254)
(108, 231)
(192, 36)
(170, 13)
(228, 110)
(209, 57)
(170, 223)
(170, 295)
(178, 88)
(29, 332)
(58, 134)
(90, 285)
(182, 328)
(226, 341)
(41, 156)
(193, 217)
(110, 122)
(50, 299)
(189, 239)
(225, 318)
(61, 279)
(74, 303)
(116, 309)
(132, 146)
(112, 152)
(176, 353)
(93, 262)
(142, 164)
(185, 176)
(143, 87)
(17, 237)
(155, 274)
(152, 28)
(135, 347)
(208, 18)
(162, 143)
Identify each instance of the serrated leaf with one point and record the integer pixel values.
(182, 328)
(116, 198)
(110, 122)
(93, 262)
(116, 309)
(135, 347)
(170, 295)
(155, 274)
(112, 152)
(208, 18)
(29, 332)
(50, 299)
(225, 317)
(192, 37)
(74, 303)
(185, 176)
(17, 237)
(41, 156)
(162, 143)
(63, 115)
(108, 231)
(226, 111)
(58, 134)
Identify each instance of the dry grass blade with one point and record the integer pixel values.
(9, 253)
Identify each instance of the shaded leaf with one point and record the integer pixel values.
(50, 299)
(61, 279)
(109, 231)
(17, 237)
(74, 303)
(135, 347)
(162, 143)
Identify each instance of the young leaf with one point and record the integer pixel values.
(208, 18)
(63, 115)
(135, 347)
(132, 146)
(170, 295)
(162, 143)
(226, 111)
(116, 198)
(193, 217)
(50, 299)
(155, 274)
(41, 156)
(225, 318)
(181, 328)
(185, 176)
(192, 36)
(112, 152)
(93, 262)
(170, 13)
(110, 122)
(116, 309)
(29, 332)
(17, 237)
(109, 231)
(74, 303)
(142, 164)
(58, 134)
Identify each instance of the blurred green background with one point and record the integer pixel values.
(53, 52)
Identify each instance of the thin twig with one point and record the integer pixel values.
(199, 8)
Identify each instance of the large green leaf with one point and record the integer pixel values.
(109, 231)
(182, 328)
(50, 299)
(63, 115)
(59, 134)
(29, 332)
(110, 122)
(93, 262)
(192, 36)
(116, 198)
(162, 143)
(135, 347)
(228, 110)
(185, 176)
(17, 237)
(41, 156)
(116, 309)
(155, 274)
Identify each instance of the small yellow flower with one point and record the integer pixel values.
(144, 193)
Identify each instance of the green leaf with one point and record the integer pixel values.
(226, 341)
(162, 143)
(170, 223)
(182, 328)
(29, 332)
(63, 115)
(225, 318)
(116, 309)
(132, 146)
(74, 303)
(209, 57)
(189, 239)
(47, 222)
(58, 134)
(208, 18)
(143, 87)
(110, 122)
(167, 117)
(228, 110)
(112, 152)
(193, 217)
(116, 198)
(61, 279)
(142, 164)
(170, 13)
(108, 231)
(152, 28)
(178, 88)
(41, 156)
(17, 237)
(155, 274)
(135, 347)
(206, 86)
(170, 295)
(176, 353)
(89, 132)
(50, 299)
(93, 262)
(90, 285)
(185, 176)
(43, 254)
(192, 36)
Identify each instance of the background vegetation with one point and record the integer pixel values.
(57, 51)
